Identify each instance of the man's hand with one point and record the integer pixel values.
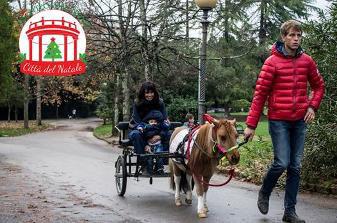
(249, 133)
(140, 129)
(310, 115)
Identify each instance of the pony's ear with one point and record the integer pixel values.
(215, 121)
(233, 121)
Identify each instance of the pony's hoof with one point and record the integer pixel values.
(202, 214)
(178, 202)
(188, 201)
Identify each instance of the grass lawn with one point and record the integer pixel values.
(216, 114)
(221, 114)
(261, 130)
(239, 113)
(103, 131)
(16, 128)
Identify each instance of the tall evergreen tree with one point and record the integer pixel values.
(272, 13)
(7, 46)
(8, 49)
(320, 160)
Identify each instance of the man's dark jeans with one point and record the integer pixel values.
(288, 144)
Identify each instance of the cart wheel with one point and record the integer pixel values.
(120, 176)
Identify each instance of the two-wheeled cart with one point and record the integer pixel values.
(129, 163)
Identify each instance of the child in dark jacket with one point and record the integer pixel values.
(152, 133)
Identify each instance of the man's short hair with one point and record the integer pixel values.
(286, 26)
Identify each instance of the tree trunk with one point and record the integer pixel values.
(116, 102)
(16, 113)
(38, 101)
(262, 28)
(126, 94)
(26, 103)
(226, 30)
(187, 35)
(145, 50)
(57, 111)
(125, 59)
(9, 113)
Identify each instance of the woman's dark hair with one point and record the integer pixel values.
(144, 106)
(146, 87)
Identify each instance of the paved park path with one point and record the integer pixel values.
(67, 175)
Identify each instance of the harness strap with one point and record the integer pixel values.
(190, 137)
(222, 149)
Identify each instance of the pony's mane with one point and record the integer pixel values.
(199, 160)
(204, 135)
(227, 125)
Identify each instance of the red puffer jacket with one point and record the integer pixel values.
(283, 81)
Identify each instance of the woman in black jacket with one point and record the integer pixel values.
(147, 104)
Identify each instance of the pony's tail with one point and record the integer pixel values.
(172, 184)
(183, 180)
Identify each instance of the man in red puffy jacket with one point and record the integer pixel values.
(283, 82)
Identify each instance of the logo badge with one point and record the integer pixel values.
(52, 43)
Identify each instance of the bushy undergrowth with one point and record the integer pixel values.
(17, 129)
(255, 157)
(179, 107)
(103, 131)
(320, 158)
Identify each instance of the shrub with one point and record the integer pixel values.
(179, 107)
(320, 157)
(237, 105)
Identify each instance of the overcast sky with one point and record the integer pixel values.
(323, 4)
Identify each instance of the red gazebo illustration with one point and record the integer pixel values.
(63, 66)
(52, 27)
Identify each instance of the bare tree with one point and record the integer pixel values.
(38, 101)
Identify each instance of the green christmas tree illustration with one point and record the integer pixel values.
(53, 51)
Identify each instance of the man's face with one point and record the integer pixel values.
(293, 39)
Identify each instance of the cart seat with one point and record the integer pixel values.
(125, 142)
(123, 129)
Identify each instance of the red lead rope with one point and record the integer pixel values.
(231, 174)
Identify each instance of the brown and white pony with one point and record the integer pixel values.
(203, 159)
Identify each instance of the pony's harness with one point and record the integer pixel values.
(180, 148)
(189, 137)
